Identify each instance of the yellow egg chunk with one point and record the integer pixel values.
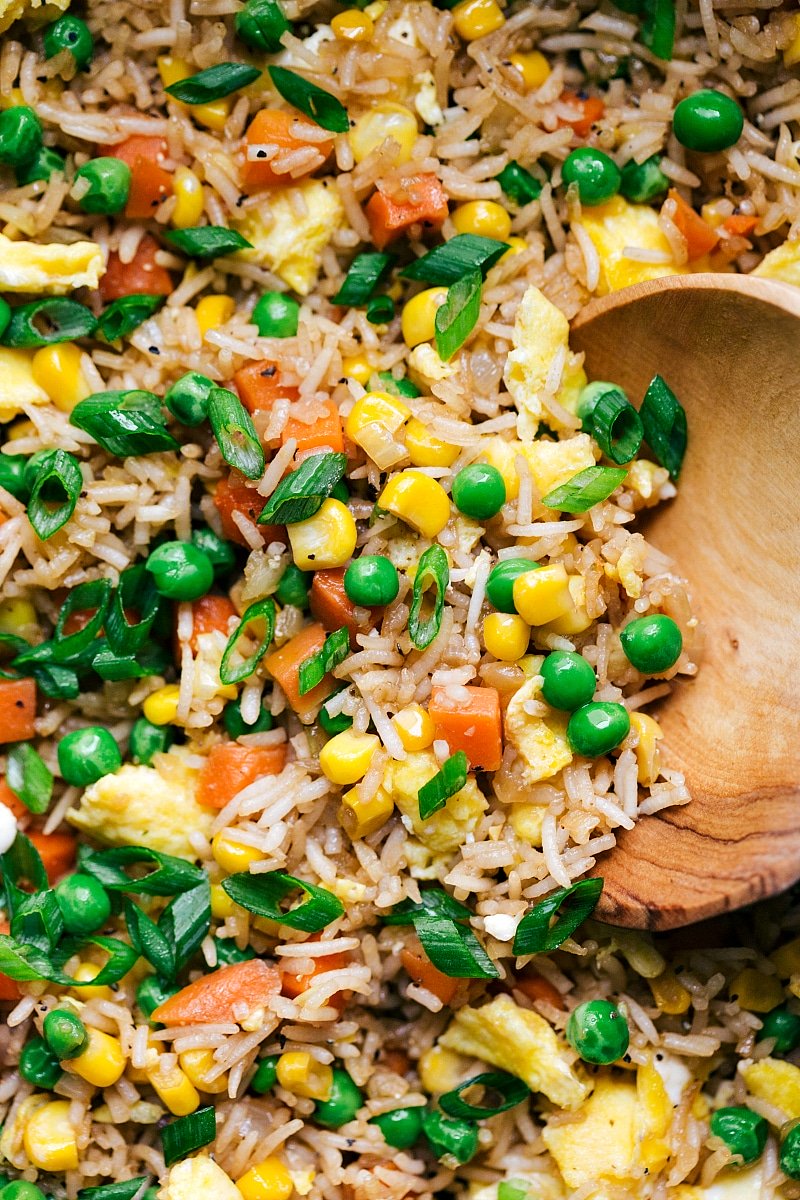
(782, 263)
(18, 383)
(615, 226)
(601, 1144)
(291, 241)
(446, 829)
(541, 742)
(49, 269)
(540, 332)
(196, 1178)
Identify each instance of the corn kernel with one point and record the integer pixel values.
(440, 1070)
(231, 855)
(376, 10)
(359, 818)
(161, 707)
(425, 450)
(577, 619)
(649, 732)
(222, 906)
(669, 993)
(302, 1075)
(175, 1090)
(533, 67)
(755, 991)
(357, 367)
(12, 99)
(382, 121)
(372, 424)
(415, 727)
(473, 19)
(346, 757)
(58, 370)
(484, 218)
(213, 311)
(49, 1138)
(418, 319)
(102, 1062)
(19, 430)
(267, 1180)
(16, 615)
(787, 959)
(325, 540)
(791, 53)
(189, 199)
(352, 26)
(418, 500)
(543, 596)
(516, 245)
(197, 1066)
(506, 636)
(85, 972)
(714, 212)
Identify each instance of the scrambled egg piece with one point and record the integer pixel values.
(207, 683)
(776, 1081)
(145, 806)
(197, 1179)
(630, 566)
(427, 367)
(18, 386)
(526, 821)
(647, 479)
(733, 1184)
(540, 331)
(520, 1041)
(37, 12)
(551, 463)
(573, 381)
(541, 742)
(781, 263)
(51, 268)
(445, 830)
(425, 100)
(291, 245)
(615, 226)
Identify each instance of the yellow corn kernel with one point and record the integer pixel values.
(418, 500)
(372, 424)
(19, 430)
(791, 53)
(16, 614)
(714, 212)
(415, 728)
(231, 855)
(161, 707)
(49, 1138)
(222, 906)
(352, 26)
(425, 450)
(346, 757)
(188, 199)
(325, 540)
(302, 1075)
(267, 1180)
(516, 245)
(485, 218)
(13, 99)
(473, 19)
(175, 1090)
(357, 367)
(440, 1070)
(787, 959)
(382, 121)
(376, 10)
(197, 1066)
(755, 991)
(669, 993)
(102, 1062)
(359, 818)
(577, 619)
(543, 596)
(506, 636)
(649, 732)
(85, 972)
(418, 319)
(213, 311)
(533, 67)
(58, 370)
(213, 115)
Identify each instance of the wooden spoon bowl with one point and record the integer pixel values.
(729, 347)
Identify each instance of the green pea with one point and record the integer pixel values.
(266, 1075)
(343, 1103)
(789, 1155)
(569, 680)
(333, 724)
(188, 397)
(597, 728)
(479, 491)
(20, 1189)
(84, 903)
(784, 1026)
(293, 587)
(220, 553)
(20, 135)
(598, 1032)
(45, 162)
(341, 492)
(235, 723)
(146, 740)
(151, 992)
(12, 475)
(743, 1131)
(38, 1065)
(450, 1135)
(276, 315)
(228, 952)
(180, 571)
(65, 1033)
(500, 584)
(401, 1127)
(69, 33)
(109, 181)
(87, 754)
(642, 182)
(260, 25)
(371, 580)
(597, 176)
(397, 387)
(652, 644)
(708, 121)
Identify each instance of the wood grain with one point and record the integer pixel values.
(729, 346)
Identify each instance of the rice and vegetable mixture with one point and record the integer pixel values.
(329, 637)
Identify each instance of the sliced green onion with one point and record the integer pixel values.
(22, 863)
(512, 1090)
(608, 415)
(26, 963)
(518, 184)
(513, 1189)
(262, 895)
(212, 84)
(55, 493)
(56, 682)
(301, 493)
(259, 610)
(235, 433)
(187, 1134)
(432, 900)
(207, 241)
(538, 932)
(366, 272)
(665, 427)
(92, 597)
(129, 1189)
(261, 24)
(397, 387)
(433, 569)
(462, 255)
(38, 921)
(136, 594)
(458, 316)
(29, 777)
(319, 105)
(313, 670)
(380, 310)
(171, 875)
(126, 314)
(658, 27)
(453, 948)
(187, 399)
(186, 921)
(584, 490)
(449, 779)
(109, 664)
(45, 322)
(124, 423)
(148, 940)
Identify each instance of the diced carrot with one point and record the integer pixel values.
(57, 852)
(587, 110)
(700, 237)
(331, 605)
(422, 971)
(288, 131)
(141, 274)
(215, 997)
(284, 666)
(259, 386)
(472, 724)
(536, 987)
(293, 984)
(12, 801)
(150, 183)
(210, 614)
(739, 225)
(421, 202)
(395, 1060)
(231, 767)
(9, 988)
(234, 495)
(17, 709)
(324, 430)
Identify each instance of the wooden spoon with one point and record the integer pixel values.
(729, 347)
